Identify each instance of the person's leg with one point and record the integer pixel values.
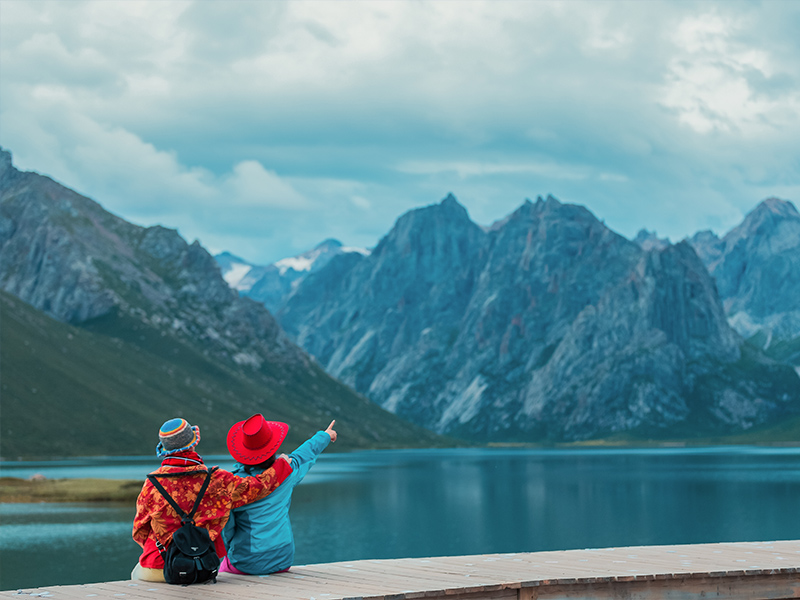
(147, 574)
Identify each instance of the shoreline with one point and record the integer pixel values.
(14, 490)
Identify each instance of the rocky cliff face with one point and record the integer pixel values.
(545, 326)
(757, 269)
(65, 255)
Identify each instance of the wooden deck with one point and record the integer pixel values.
(731, 570)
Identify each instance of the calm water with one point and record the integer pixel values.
(389, 504)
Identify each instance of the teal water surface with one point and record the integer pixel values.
(392, 504)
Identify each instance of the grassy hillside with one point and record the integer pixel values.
(106, 388)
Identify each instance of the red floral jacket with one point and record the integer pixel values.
(156, 519)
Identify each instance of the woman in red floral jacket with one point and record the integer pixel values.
(156, 520)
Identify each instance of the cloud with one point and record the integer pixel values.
(361, 202)
(251, 184)
(265, 127)
(710, 80)
(549, 169)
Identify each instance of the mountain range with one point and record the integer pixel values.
(549, 326)
(546, 326)
(108, 329)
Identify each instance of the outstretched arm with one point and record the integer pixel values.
(306, 455)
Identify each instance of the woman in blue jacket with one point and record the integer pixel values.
(258, 536)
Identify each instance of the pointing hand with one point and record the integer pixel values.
(331, 432)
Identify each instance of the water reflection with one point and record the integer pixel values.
(444, 502)
(47, 544)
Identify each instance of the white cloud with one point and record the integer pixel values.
(469, 169)
(361, 202)
(265, 127)
(252, 184)
(708, 81)
(134, 178)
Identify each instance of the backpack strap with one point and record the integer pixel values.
(153, 477)
(201, 493)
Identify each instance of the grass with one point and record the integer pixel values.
(107, 388)
(13, 489)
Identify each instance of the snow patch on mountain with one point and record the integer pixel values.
(296, 263)
(362, 251)
(235, 275)
(307, 260)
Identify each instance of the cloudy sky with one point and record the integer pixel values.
(265, 127)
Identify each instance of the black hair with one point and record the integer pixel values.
(260, 467)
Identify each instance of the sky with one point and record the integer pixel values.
(263, 128)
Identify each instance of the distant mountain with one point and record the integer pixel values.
(649, 240)
(757, 269)
(545, 326)
(158, 306)
(272, 284)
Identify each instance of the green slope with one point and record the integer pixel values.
(104, 389)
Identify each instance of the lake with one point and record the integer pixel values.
(413, 503)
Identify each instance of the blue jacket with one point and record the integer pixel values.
(258, 536)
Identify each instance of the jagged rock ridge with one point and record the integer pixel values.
(547, 325)
(757, 269)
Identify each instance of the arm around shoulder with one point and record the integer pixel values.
(255, 487)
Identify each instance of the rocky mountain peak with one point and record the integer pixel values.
(452, 208)
(649, 240)
(708, 245)
(781, 207)
(230, 257)
(543, 204)
(705, 237)
(425, 228)
(328, 244)
(756, 266)
(450, 201)
(765, 217)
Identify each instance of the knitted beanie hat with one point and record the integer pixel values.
(176, 435)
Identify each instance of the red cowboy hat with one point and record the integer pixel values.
(253, 441)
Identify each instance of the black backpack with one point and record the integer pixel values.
(191, 557)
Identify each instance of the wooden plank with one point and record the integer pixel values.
(408, 571)
(340, 582)
(746, 588)
(389, 581)
(771, 569)
(397, 575)
(328, 587)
